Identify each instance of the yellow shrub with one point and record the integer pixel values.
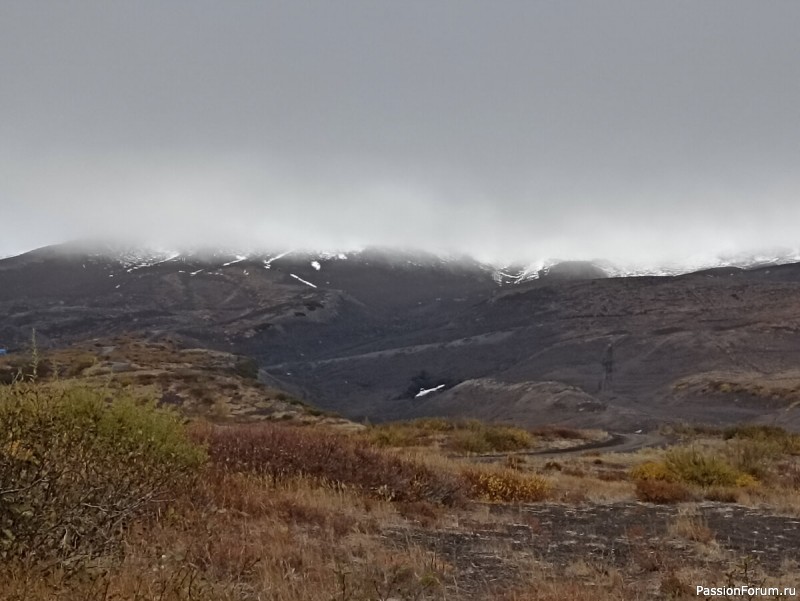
(746, 481)
(653, 470)
(507, 485)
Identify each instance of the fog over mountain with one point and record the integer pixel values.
(630, 131)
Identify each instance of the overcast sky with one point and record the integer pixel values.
(505, 129)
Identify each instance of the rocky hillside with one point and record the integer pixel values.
(389, 335)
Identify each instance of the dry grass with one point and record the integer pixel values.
(243, 534)
(199, 382)
(780, 387)
(589, 489)
(290, 513)
(580, 581)
(280, 452)
(688, 525)
(461, 436)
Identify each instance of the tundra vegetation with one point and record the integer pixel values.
(108, 492)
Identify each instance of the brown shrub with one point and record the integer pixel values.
(280, 452)
(661, 491)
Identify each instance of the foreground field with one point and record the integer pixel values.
(287, 512)
(106, 496)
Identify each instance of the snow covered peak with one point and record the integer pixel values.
(516, 274)
(303, 261)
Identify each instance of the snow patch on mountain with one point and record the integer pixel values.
(238, 259)
(519, 273)
(306, 282)
(131, 259)
(426, 391)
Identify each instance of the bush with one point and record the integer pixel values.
(281, 452)
(507, 438)
(653, 470)
(469, 441)
(476, 437)
(393, 435)
(772, 436)
(433, 424)
(75, 469)
(661, 491)
(246, 367)
(694, 467)
(755, 431)
(507, 485)
(753, 456)
(463, 436)
(688, 466)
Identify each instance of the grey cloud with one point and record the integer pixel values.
(515, 129)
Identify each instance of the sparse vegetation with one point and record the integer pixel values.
(692, 527)
(780, 388)
(278, 453)
(200, 382)
(425, 510)
(460, 436)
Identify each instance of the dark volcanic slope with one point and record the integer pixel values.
(716, 346)
(612, 353)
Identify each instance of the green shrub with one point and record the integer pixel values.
(753, 456)
(477, 437)
(782, 440)
(508, 438)
(704, 469)
(246, 368)
(433, 424)
(396, 436)
(469, 441)
(76, 468)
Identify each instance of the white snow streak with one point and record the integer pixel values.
(237, 260)
(298, 278)
(268, 262)
(427, 391)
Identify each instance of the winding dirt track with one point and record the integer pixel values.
(615, 443)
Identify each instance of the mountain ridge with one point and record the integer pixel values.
(364, 334)
(516, 272)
